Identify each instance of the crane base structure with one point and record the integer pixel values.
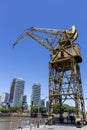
(64, 70)
(65, 84)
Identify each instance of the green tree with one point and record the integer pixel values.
(13, 109)
(4, 110)
(42, 109)
(68, 108)
(35, 108)
(56, 108)
(65, 108)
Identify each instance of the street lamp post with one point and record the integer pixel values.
(38, 121)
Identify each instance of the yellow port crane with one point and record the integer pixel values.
(64, 70)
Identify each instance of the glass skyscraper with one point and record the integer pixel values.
(17, 92)
(36, 93)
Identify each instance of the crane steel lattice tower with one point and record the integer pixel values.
(64, 70)
(65, 79)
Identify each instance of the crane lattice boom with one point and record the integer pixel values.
(52, 37)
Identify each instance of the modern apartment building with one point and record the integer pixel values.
(36, 94)
(17, 92)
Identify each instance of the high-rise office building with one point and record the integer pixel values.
(36, 93)
(5, 97)
(43, 102)
(25, 105)
(17, 92)
(4, 101)
(24, 98)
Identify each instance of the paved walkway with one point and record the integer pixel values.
(55, 127)
(62, 127)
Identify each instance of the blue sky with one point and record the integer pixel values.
(28, 59)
